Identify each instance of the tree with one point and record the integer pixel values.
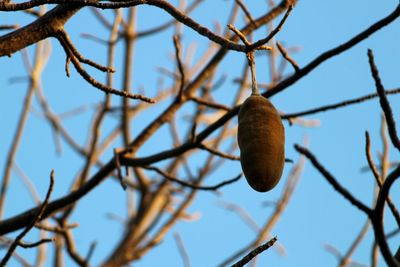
(153, 157)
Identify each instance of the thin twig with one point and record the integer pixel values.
(35, 244)
(218, 153)
(56, 124)
(28, 183)
(118, 167)
(258, 250)
(56, 229)
(71, 249)
(332, 180)
(8, 27)
(164, 26)
(371, 164)
(345, 260)
(94, 38)
(107, 89)
(91, 251)
(286, 56)
(384, 102)
(101, 18)
(33, 12)
(273, 32)
(384, 157)
(245, 11)
(68, 42)
(210, 104)
(177, 45)
(193, 136)
(182, 250)
(193, 186)
(349, 102)
(37, 218)
(241, 36)
(242, 213)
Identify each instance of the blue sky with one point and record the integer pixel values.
(316, 214)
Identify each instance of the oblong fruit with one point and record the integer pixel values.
(261, 138)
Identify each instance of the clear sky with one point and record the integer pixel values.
(316, 214)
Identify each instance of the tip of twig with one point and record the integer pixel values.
(141, 97)
(298, 147)
(151, 101)
(239, 34)
(264, 47)
(287, 160)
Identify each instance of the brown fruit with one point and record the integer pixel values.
(261, 139)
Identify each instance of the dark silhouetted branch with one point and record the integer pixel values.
(377, 218)
(193, 186)
(252, 254)
(35, 244)
(62, 37)
(37, 218)
(378, 178)
(384, 102)
(332, 180)
(345, 103)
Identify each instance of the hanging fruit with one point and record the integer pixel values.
(261, 138)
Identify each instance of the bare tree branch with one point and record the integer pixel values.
(182, 250)
(193, 186)
(341, 104)
(260, 249)
(384, 102)
(333, 181)
(286, 56)
(37, 218)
